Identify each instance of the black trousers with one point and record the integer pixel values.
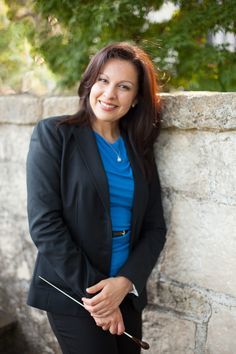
(80, 334)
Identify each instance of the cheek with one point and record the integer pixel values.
(94, 93)
(127, 101)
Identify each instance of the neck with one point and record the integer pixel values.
(108, 131)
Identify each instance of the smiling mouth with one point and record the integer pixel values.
(107, 106)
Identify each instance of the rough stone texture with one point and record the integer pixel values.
(201, 245)
(199, 164)
(183, 299)
(54, 106)
(192, 290)
(200, 110)
(221, 337)
(14, 141)
(167, 333)
(21, 109)
(17, 253)
(200, 340)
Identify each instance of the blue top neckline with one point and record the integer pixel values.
(108, 142)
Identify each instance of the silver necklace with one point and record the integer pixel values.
(118, 158)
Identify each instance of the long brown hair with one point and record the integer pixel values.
(141, 122)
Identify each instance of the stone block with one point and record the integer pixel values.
(182, 299)
(14, 143)
(167, 334)
(57, 106)
(12, 189)
(201, 245)
(198, 164)
(196, 157)
(39, 334)
(221, 337)
(199, 110)
(14, 250)
(20, 109)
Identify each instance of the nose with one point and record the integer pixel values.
(109, 92)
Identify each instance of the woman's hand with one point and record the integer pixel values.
(114, 322)
(111, 293)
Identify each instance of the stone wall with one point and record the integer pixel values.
(192, 290)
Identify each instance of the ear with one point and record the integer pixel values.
(134, 103)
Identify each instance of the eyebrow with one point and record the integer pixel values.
(132, 83)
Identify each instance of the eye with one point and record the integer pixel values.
(102, 79)
(124, 87)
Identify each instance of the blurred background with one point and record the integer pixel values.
(46, 45)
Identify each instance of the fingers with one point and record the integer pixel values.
(105, 328)
(100, 315)
(105, 301)
(114, 323)
(111, 292)
(117, 327)
(104, 323)
(95, 288)
(96, 300)
(120, 328)
(99, 305)
(120, 323)
(102, 309)
(113, 328)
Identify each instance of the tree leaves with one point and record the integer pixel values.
(67, 33)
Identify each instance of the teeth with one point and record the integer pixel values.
(107, 105)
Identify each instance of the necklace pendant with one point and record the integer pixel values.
(119, 159)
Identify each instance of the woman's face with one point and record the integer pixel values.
(114, 91)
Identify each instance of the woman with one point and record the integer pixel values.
(94, 205)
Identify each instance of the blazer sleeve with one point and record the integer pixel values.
(44, 205)
(152, 239)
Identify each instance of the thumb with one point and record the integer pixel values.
(95, 288)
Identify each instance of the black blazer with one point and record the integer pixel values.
(69, 219)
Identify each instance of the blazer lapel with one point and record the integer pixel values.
(140, 188)
(87, 145)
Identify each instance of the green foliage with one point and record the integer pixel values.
(11, 48)
(83, 28)
(67, 33)
(201, 65)
(17, 65)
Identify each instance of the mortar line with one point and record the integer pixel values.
(211, 295)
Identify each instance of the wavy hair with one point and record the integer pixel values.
(142, 122)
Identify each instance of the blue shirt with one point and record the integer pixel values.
(121, 189)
